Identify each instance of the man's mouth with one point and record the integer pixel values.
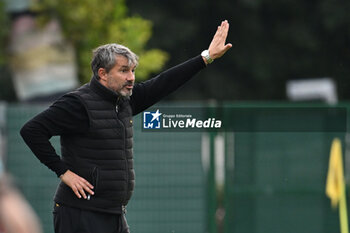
(129, 85)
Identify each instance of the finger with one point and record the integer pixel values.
(86, 183)
(224, 24)
(227, 47)
(225, 32)
(89, 185)
(86, 186)
(218, 31)
(87, 189)
(82, 192)
(225, 28)
(90, 191)
(75, 190)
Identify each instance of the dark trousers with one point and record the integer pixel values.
(74, 220)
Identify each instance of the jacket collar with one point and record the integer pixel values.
(104, 92)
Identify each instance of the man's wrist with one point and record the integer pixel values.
(60, 175)
(206, 57)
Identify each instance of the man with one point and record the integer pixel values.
(95, 126)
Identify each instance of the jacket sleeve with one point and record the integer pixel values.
(65, 116)
(147, 93)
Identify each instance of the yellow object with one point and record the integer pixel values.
(335, 186)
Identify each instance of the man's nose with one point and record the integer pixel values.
(131, 76)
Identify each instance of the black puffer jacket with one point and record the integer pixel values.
(103, 155)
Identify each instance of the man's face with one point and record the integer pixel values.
(120, 78)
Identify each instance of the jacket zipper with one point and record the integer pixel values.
(126, 159)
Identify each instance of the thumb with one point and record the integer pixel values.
(227, 47)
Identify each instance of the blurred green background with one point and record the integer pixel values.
(273, 41)
(270, 181)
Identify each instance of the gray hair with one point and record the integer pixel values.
(104, 56)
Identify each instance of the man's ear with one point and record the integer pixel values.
(102, 74)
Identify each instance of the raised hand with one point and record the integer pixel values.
(77, 183)
(217, 47)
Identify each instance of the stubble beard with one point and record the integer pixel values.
(120, 90)
(123, 93)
